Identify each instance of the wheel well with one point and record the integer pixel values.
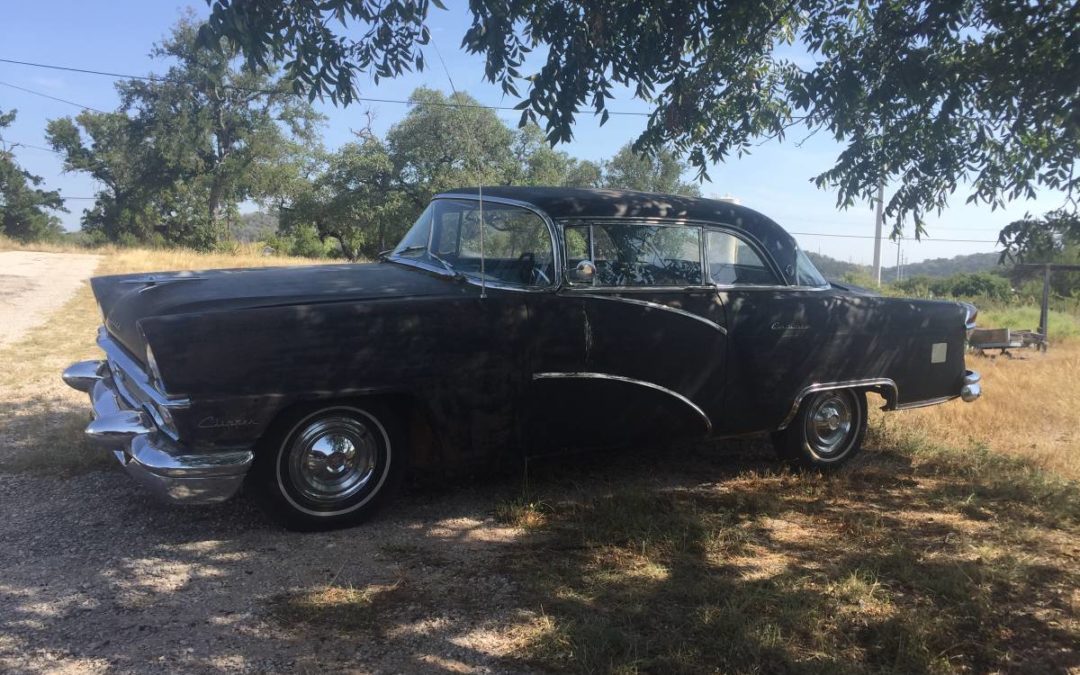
(884, 387)
(423, 448)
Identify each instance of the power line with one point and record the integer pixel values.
(365, 99)
(20, 144)
(55, 98)
(868, 236)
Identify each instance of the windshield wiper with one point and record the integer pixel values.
(449, 268)
(409, 249)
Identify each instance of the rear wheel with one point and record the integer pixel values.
(827, 431)
(322, 467)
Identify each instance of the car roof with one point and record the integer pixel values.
(568, 203)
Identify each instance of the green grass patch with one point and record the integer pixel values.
(1062, 324)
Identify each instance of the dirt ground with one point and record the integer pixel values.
(98, 577)
(34, 284)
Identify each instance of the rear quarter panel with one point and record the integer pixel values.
(784, 341)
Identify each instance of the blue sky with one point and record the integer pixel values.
(117, 36)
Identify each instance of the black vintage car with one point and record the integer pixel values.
(509, 322)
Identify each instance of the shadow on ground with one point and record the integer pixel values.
(710, 557)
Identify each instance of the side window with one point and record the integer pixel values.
(637, 255)
(516, 243)
(733, 262)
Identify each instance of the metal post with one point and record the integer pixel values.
(898, 258)
(1044, 312)
(879, 217)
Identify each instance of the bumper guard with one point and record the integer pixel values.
(972, 388)
(167, 468)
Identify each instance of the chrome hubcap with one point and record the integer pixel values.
(829, 424)
(332, 459)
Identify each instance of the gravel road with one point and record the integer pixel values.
(34, 284)
(98, 577)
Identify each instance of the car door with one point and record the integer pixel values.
(634, 351)
(475, 377)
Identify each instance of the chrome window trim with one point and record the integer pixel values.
(752, 287)
(629, 380)
(654, 305)
(441, 271)
(582, 221)
(552, 235)
(770, 264)
(718, 226)
(879, 382)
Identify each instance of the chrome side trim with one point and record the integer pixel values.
(880, 383)
(925, 402)
(628, 380)
(654, 305)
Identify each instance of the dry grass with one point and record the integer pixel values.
(1030, 408)
(915, 559)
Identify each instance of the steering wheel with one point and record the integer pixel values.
(534, 275)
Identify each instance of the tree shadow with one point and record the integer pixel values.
(668, 558)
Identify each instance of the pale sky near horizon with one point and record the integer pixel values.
(116, 36)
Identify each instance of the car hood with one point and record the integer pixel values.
(127, 299)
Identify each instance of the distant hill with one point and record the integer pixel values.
(255, 226)
(834, 269)
(946, 267)
(936, 268)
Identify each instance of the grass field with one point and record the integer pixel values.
(951, 545)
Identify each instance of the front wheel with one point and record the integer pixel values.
(323, 467)
(827, 431)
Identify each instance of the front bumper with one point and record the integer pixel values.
(167, 468)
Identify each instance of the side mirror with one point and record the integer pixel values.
(584, 272)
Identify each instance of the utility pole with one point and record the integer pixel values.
(879, 218)
(898, 258)
(1044, 308)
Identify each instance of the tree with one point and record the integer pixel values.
(186, 148)
(540, 164)
(448, 142)
(660, 172)
(355, 200)
(1053, 238)
(25, 209)
(924, 96)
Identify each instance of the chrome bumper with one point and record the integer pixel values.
(167, 468)
(971, 389)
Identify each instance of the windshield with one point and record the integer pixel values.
(450, 233)
(805, 272)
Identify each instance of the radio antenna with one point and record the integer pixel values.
(479, 178)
